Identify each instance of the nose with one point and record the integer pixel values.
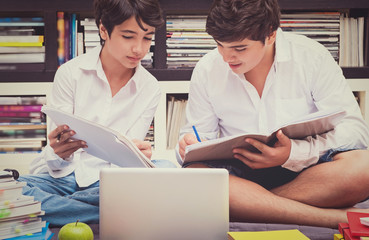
(137, 48)
(226, 54)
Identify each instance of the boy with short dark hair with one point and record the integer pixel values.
(108, 86)
(258, 78)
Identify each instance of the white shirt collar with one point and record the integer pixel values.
(282, 47)
(92, 62)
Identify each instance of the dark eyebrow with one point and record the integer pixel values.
(238, 46)
(133, 32)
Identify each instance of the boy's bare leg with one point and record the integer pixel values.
(328, 185)
(249, 202)
(337, 184)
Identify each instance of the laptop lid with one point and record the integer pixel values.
(164, 204)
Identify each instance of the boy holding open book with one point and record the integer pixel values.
(108, 86)
(258, 78)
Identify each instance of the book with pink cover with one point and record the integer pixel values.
(310, 125)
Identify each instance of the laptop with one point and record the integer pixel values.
(164, 204)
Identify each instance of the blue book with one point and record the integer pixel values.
(45, 234)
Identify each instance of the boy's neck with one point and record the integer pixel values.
(116, 74)
(257, 76)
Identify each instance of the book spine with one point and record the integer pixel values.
(23, 39)
(21, 44)
(61, 37)
(21, 108)
(21, 114)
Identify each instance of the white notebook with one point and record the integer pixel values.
(102, 142)
(221, 148)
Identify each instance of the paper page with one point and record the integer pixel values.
(102, 142)
(313, 124)
(221, 148)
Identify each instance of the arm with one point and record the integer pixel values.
(56, 156)
(329, 89)
(199, 113)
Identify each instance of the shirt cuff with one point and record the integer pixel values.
(53, 161)
(303, 154)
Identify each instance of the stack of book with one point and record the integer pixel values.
(19, 214)
(70, 41)
(176, 118)
(150, 135)
(357, 227)
(92, 39)
(22, 124)
(22, 40)
(324, 27)
(91, 33)
(351, 41)
(187, 40)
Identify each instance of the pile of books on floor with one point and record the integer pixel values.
(357, 227)
(22, 40)
(22, 124)
(19, 214)
(187, 40)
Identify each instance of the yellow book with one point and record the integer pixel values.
(293, 234)
(21, 44)
(338, 237)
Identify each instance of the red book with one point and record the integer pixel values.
(356, 228)
(347, 235)
(343, 226)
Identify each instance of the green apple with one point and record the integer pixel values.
(76, 231)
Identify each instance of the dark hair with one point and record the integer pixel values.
(235, 20)
(111, 13)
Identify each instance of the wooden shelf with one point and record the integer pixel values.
(172, 5)
(160, 74)
(48, 10)
(356, 72)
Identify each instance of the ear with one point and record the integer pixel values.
(103, 32)
(271, 38)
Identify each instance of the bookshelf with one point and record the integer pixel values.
(38, 79)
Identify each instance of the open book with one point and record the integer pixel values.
(102, 142)
(310, 125)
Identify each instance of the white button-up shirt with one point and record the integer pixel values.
(81, 87)
(303, 79)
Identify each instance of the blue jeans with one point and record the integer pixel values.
(64, 201)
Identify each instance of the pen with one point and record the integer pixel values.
(196, 133)
(58, 137)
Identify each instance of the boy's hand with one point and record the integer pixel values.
(273, 156)
(144, 146)
(60, 140)
(187, 139)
